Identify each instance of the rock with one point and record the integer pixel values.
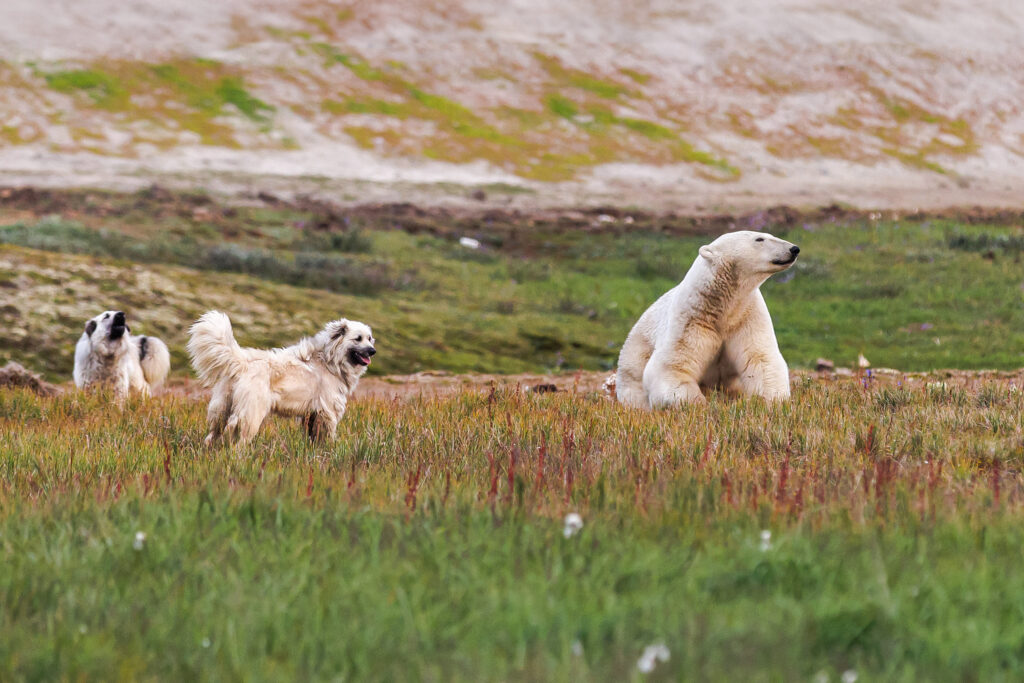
(824, 365)
(14, 375)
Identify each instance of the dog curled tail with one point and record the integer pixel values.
(154, 358)
(212, 348)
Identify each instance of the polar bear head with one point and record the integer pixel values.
(751, 253)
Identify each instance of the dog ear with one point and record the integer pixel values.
(339, 330)
(90, 327)
(708, 252)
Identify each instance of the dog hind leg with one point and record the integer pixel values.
(218, 411)
(249, 409)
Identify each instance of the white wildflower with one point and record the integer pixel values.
(652, 655)
(469, 242)
(206, 642)
(573, 523)
(849, 676)
(140, 540)
(766, 540)
(577, 648)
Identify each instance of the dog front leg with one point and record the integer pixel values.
(321, 426)
(314, 425)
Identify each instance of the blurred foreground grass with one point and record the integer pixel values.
(427, 542)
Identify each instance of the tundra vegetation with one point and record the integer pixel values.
(861, 527)
(542, 292)
(870, 526)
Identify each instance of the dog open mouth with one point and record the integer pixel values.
(118, 326)
(359, 358)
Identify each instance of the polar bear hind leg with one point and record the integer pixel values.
(629, 380)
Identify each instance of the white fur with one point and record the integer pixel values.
(118, 362)
(713, 329)
(312, 378)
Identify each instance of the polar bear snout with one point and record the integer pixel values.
(788, 258)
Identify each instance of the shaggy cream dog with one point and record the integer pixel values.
(108, 355)
(312, 378)
(711, 330)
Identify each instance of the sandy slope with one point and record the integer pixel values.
(903, 104)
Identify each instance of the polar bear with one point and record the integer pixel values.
(712, 329)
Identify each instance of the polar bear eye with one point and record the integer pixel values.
(759, 239)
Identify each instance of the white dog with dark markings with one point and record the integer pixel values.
(312, 378)
(108, 355)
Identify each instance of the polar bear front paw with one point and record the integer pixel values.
(667, 397)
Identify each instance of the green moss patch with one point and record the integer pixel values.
(195, 95)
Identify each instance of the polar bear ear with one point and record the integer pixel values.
(707, 252)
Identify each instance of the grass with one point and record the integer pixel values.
(910, 295)
(427, 542)
(306, 266)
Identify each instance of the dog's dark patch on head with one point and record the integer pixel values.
(339, 333)
(90, 327)
(143, 344)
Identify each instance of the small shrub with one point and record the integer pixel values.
(942, 393)
(660, 268)
(893, 398)
(992, 395)
(984, 241)
(350, 242)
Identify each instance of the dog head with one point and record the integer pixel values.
(106, 332)
(349, 345)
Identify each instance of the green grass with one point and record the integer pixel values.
(307, 266)
(104, 89)
(909, 295)
(193, 95)
(427, 542)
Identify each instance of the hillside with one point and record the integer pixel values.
(544, 291)
(695, 105)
